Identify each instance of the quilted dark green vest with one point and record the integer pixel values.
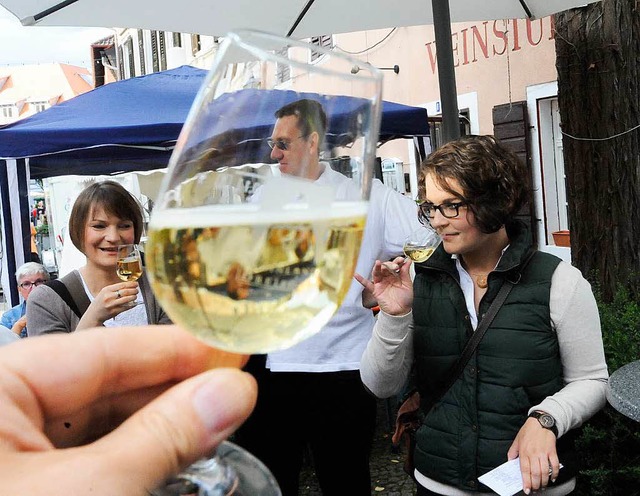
(516, 365)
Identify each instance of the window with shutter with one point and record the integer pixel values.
(163, 51)
(195, 44)
(324, 41)
(143, 69)
(132, 63)
(176, 40)
(121, 62)
(8, 110)
(283, 71)
(154, 51)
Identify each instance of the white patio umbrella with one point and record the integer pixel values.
(296, 18)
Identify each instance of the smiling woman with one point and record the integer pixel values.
(104, 216)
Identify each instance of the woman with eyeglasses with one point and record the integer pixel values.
(28, 276)
(539, 371)
(103, 216)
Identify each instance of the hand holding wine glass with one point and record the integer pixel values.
(421, 244)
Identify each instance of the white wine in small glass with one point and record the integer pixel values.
(129, 264)
(254, 237)
(421, 244)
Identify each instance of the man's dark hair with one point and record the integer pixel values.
(311, 117)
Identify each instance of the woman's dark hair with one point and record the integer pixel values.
(114, 199)
(494, 181)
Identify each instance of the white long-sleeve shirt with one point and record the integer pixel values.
(340, 344)
(388, 358)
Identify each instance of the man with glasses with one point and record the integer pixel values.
(311, 395)
(29, 276)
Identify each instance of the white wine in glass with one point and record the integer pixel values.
(254, 237)
(421, 244)
(129, 264)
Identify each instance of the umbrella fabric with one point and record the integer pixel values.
(217, 17)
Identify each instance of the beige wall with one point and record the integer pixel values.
(497, 60)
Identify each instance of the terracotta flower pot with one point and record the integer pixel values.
(561, 238)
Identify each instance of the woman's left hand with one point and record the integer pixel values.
(536, 447)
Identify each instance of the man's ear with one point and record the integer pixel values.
(314, 139)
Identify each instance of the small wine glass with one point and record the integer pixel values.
(252, 256)
(421, 244)
(129, 265)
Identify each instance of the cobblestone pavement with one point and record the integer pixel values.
(387, 476)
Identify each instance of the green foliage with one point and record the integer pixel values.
(609, 445)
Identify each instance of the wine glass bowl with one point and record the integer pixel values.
(421, 244)
(129, 263)
(247, 249)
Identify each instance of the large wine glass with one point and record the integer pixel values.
(255, 234)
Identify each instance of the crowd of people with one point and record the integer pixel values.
(140, 402)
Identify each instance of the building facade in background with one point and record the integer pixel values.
(28, 89)
(506, 85)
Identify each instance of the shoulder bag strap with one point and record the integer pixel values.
(61, 290)
(477, 336)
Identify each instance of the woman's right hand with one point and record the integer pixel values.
(109, 302)
(390, 285)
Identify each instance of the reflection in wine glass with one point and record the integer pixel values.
(421, 244)
(129, 265)
(249, 256)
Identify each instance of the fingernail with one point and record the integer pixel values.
(527, 491)
(223, 399)
(553, 480)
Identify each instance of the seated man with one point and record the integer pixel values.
(28, 276)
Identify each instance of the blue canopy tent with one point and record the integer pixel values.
(130, 125)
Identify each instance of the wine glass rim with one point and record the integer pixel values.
(366, 71)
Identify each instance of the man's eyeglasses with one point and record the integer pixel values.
(448, 210)
(281, 144)
(29, 284)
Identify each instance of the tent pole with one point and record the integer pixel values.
(446, 70)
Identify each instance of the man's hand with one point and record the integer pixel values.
(20, 324)
(132, 405)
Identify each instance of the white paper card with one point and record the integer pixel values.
(506, 480)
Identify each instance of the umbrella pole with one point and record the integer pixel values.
(446, 70)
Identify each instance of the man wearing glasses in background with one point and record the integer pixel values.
(28, 276)
(311, 394)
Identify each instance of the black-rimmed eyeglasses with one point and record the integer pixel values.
(449, 210)
(29, 284)
(281, 144)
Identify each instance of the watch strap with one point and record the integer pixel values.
(553, 427)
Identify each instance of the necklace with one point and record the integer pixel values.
(481, 280)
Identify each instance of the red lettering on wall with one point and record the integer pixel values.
(482, 42)
(530, 28)
(465, 45)
(454, 49)
(432, 55)
(500, 35)
(515, 37)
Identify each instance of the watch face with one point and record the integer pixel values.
(547, 421)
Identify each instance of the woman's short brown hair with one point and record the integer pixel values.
(494, 181)
(114, 199)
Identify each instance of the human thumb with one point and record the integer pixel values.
(183, 424)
